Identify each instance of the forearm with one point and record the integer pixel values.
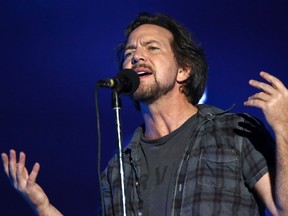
(281, 183)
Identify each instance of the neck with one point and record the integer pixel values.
(163, 117)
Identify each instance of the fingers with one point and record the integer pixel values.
(260, 96)
(17, 172)
(269, 92)
(5, 163)
(33, 175)
(12, 166)
(272, 100)
(274, 83)
(262, 86)
(21, 173)
(255, 102)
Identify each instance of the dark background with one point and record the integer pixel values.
(53, 52)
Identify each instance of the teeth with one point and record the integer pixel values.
(141, 73)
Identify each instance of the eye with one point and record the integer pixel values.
(128, 54)
(153, 48)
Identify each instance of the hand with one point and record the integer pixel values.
(272, 100)
(23, 182)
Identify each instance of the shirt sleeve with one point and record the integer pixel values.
(258, 152)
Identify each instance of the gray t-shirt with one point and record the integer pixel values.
(159, 168)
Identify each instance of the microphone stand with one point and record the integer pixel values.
(116, 103)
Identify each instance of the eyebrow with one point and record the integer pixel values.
(145, 43)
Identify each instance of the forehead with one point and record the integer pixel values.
(150, 32)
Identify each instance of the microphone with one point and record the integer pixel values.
(126, 82)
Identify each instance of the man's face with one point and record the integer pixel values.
(149, 53)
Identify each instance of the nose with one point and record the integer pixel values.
(137, 57)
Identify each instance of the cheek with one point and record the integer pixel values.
(166, 70)
(127, 64)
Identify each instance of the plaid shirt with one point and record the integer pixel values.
(228, 154)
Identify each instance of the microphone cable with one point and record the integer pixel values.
(99, 150)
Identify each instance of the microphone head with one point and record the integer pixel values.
(131, 80)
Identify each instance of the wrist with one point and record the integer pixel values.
(43, 209)
(47, 210)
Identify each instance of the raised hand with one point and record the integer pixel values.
(272, 100)
(25, 183)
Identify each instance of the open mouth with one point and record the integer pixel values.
(143, 73)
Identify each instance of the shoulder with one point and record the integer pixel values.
(239, 125)
(220, 116)
(227, 116)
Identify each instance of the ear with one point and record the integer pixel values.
(183, 74)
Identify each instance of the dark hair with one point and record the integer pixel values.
(187, 52)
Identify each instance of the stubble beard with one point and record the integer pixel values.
(150, 93)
